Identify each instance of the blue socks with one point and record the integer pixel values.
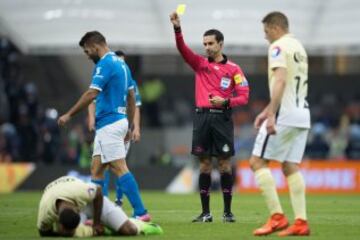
(106, 182)
(119, 193)
(102, 184)
(128, 185)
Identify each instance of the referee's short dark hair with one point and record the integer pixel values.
(91, 38)
(69, 218)
(278, 19)
(218, 35)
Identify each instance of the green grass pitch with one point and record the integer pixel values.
(330, 216)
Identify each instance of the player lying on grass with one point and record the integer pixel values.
(67, 202)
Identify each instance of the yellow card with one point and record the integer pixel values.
(180, 10)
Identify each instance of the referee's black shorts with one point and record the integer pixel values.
(213, 133)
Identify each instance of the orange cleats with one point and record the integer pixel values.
(276, 222)
(299, 228)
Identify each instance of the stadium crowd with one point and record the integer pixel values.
(28, 129)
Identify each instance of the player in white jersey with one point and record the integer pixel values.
(283, 127)
(67, 202)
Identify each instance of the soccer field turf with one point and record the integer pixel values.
(331, 216)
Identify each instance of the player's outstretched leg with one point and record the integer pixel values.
(119, 192)
(133, 227)
(116, 220)
(276, 222)
(296, 185)
(146, 228)
(130, 188)
(127, 183)
(299, 228)
(266, 183)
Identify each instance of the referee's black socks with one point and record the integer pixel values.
(226, 186)
(204, 186)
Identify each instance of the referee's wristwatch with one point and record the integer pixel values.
(226, 103)
(177, 29)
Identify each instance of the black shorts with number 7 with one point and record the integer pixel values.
(213, 133)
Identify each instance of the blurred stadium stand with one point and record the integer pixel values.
(43, 71)
(142, 26)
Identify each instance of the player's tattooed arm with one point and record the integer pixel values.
(91, 116)
(131, 105)
(83, 102)
(98, 205)
(136, 131)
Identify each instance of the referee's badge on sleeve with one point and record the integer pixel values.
(238, 78)
(244, 83)
(225, 83)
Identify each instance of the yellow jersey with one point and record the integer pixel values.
(287, 52)
(69, 189)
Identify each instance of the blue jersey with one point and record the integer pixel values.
(112, 77)
(137, 94)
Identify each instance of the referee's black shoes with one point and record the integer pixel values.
(228, 217)
(203, 217)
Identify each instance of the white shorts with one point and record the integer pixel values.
(112, 216)
(127, 147)
(109, 141)
(288, 144)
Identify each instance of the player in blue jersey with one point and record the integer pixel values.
(115, 107)
(135, 137)
(136, 124)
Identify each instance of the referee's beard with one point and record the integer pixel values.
(212, 54)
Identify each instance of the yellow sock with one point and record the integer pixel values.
(297, 194)
(267, 185)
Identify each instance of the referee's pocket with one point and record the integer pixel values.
(197, 123)
(227, 115)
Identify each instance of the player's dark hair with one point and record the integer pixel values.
(69, 218)
(120, 53)
(218, 35)
(91, 38)
(278, 19)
